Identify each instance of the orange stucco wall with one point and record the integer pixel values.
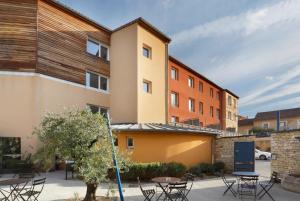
(185, 92)
(188, 149)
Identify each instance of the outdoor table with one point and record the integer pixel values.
(247, 175)
(165, 180)
(14, 187)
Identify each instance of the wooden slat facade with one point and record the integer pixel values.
(18, 22)
(62, 45)
(41, 36)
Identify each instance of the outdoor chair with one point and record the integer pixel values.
(248, 187)
(147, 193)
(177, 191)
(190, 182)
(229, 185)
(267, 186)
(34, 192)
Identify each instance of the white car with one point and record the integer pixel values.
(262, 155)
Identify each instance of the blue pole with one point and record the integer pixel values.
(115, 160)
(278, 120)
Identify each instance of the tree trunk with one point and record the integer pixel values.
(90, 192)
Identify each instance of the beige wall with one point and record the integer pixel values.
(151, 107)
(129, 103)
(233, 122)
(291, 123)
(245, 129)
(26, 97)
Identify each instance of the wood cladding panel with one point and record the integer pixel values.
(62, 45)
(18, 34)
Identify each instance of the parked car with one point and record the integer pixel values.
(262, 155)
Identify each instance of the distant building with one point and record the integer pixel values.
(289, 119)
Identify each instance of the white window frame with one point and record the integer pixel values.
(176, 73)
(99, 107)
(190, 105)
(176, 103)
(191, 82)
(127, 139)
(174, 118)
(99, 48)
(87, 82)
(267, 123)
(286, 124)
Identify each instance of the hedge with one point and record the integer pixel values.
(205, 168)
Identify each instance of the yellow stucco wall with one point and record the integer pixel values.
(129, 103)
(25, 98)
(151, 107)
(188, 149)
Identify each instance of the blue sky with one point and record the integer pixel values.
(251, 47)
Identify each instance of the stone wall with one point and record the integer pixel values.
(263, 144)
(224, 149)
(286, 152)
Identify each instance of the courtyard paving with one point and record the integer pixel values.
(58, 189)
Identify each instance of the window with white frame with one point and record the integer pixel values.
(95, 109)
(191, 105)
(265, 125)
(174, 119)
(174, 74)
(283, 125)
(129, 142)
(97, 81)
(191, 82)
(97, 49)
(174, 99)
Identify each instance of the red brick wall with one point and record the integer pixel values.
(185, 92)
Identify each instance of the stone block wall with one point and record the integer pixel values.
(286, 148)
(224, 149)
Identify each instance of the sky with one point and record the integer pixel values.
(251, 47)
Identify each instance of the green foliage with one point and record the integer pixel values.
(77, 135)
(205, 168)
(147, 171)
(218, 166)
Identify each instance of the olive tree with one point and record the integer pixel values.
(81, 136)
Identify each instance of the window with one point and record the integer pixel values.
(283, 125)
(174, 99)
(174, 119)
(265, 125)
(130, 144)
(191, 105)
(229, 100)
(147, 51)
(211, 92)
(200, 107)
(229, 116)
(234, 103)
(95, 109)
(211, 111)
(96, 81)
(97, 49)
(191, 82)
(201, 87)
(218, 114)
(218, 96)
(147, 86)
(174, 74)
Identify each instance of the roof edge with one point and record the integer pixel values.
(141, 21)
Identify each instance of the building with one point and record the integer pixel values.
(54, 57)
(196, 100)
(289, 120)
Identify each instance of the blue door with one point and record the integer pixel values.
(244, 156)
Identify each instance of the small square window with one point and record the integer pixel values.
(265, 125)
(147, 86)
(94, 109)
(174, 74)
(147, 51)
(130, 144)
(97, 109)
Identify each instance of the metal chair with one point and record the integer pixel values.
(267, 185)
(248, 187)
(177, 190)
(35, 190)
(229, 184)
(147, 193)
(190, 182)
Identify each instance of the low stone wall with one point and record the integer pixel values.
(224, 149)
(263, 144)
(285, 148)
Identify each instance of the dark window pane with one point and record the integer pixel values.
(104, 53)
(92, 47)
(94, 80)
(94, 109)
(146, 87)
(103, 111)
(146, 52)
(103, 83)
(129, 142)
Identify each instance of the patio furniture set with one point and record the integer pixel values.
(169, 188)
(22, 187)
(248, 184)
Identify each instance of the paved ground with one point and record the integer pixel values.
(58, 189)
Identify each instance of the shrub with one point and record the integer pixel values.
(147, 171)
(202, 168)
(218, 166)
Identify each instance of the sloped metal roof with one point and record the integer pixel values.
(153, 127)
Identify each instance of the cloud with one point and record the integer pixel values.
(244, 24)
(283, 79)
(270, 78)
